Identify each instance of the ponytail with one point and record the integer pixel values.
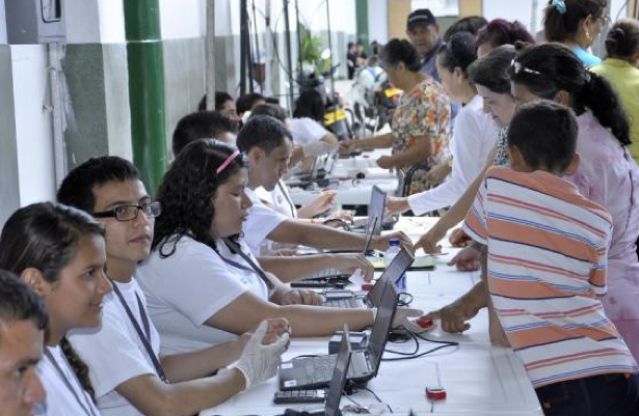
(601, 99)
(78, 366)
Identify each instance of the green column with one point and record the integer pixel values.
(361, 15)
(146, 89)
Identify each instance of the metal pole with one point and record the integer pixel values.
(330, 48)
(289, 59)
(210, 55)
(299, 38)
(243, 46)
(57, 112)
(256, 61)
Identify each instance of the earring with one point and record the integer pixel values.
(588, 37)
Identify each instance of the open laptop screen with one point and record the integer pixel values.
(376, 210)
(391, 275)
(336, 387)
(383, 323)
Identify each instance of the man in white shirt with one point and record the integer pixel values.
(267, 145)
(22, 323)
(127, 373)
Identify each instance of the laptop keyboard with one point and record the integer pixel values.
(325, 273)
(320, 369)
(345, 303)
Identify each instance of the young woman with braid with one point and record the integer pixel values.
(59, 252)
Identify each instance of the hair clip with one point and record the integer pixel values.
(559, 5)
(518, 67)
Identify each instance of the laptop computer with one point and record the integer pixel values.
(376, 208)
(338, 379)
(348, 299)
(332, 277)
(315, 372)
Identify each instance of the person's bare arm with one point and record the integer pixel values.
(381, 141)
(320, 236)
(202, 363)
(453, 317)
(417, 153)
(329, 138)
(455, 214)
(290, 268)
(153, 397)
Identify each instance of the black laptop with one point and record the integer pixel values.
(348, 299)
(338, 380)
(375, 218)
(315, 372)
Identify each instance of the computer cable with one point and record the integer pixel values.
(390, 409)
(405, 299)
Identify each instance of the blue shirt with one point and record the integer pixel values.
(428, 63)
(587, 59)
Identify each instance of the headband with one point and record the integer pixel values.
(227, 162)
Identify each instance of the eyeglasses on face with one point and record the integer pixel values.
(130, 212)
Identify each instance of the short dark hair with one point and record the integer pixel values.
(459, 52)
(470, 24)
(246, 102)
(622, 40)
(220, 98)
(200, 125)
(265, 132)
(310, 104)
(491, 71)
(561, 24)
(502, 32)
(18, 302)
(401, 50)
(76, 189)
(545, 133)
(272, 110)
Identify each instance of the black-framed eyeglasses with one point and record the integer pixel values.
(130, 212)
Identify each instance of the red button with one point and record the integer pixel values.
(435, 393)
(367, 286)
(424, 323)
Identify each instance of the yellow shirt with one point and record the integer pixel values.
(625, 80)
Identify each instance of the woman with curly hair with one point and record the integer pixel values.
(59, 252)
(499, 32)
(201, 281)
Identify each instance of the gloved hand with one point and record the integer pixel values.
(318, 148)
(259, 362)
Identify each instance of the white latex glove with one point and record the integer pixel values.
(318, 148)
(259, 362)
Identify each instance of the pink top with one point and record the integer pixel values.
(608, 175)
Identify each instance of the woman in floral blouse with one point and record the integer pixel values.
(421, 121)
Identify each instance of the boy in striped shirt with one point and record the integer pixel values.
(545, 249)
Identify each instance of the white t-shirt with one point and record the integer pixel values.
(115, 353)
(185, 289)
(306, 130)
(260, 222)
(474, 136)
(60, 400)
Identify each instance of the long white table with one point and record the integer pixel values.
(479, 379)
(352, 191)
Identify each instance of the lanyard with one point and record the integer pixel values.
(287, 198)
(88, 411)
(235, 248)
(145, 338)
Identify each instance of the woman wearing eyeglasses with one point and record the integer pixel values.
(576, 24)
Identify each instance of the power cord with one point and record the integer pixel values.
(416, 354)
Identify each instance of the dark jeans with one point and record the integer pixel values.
(606, 395)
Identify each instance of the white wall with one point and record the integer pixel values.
(378, 20)
(3, 24)
(183, 18)
(33, 123)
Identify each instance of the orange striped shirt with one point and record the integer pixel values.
(547, 259)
